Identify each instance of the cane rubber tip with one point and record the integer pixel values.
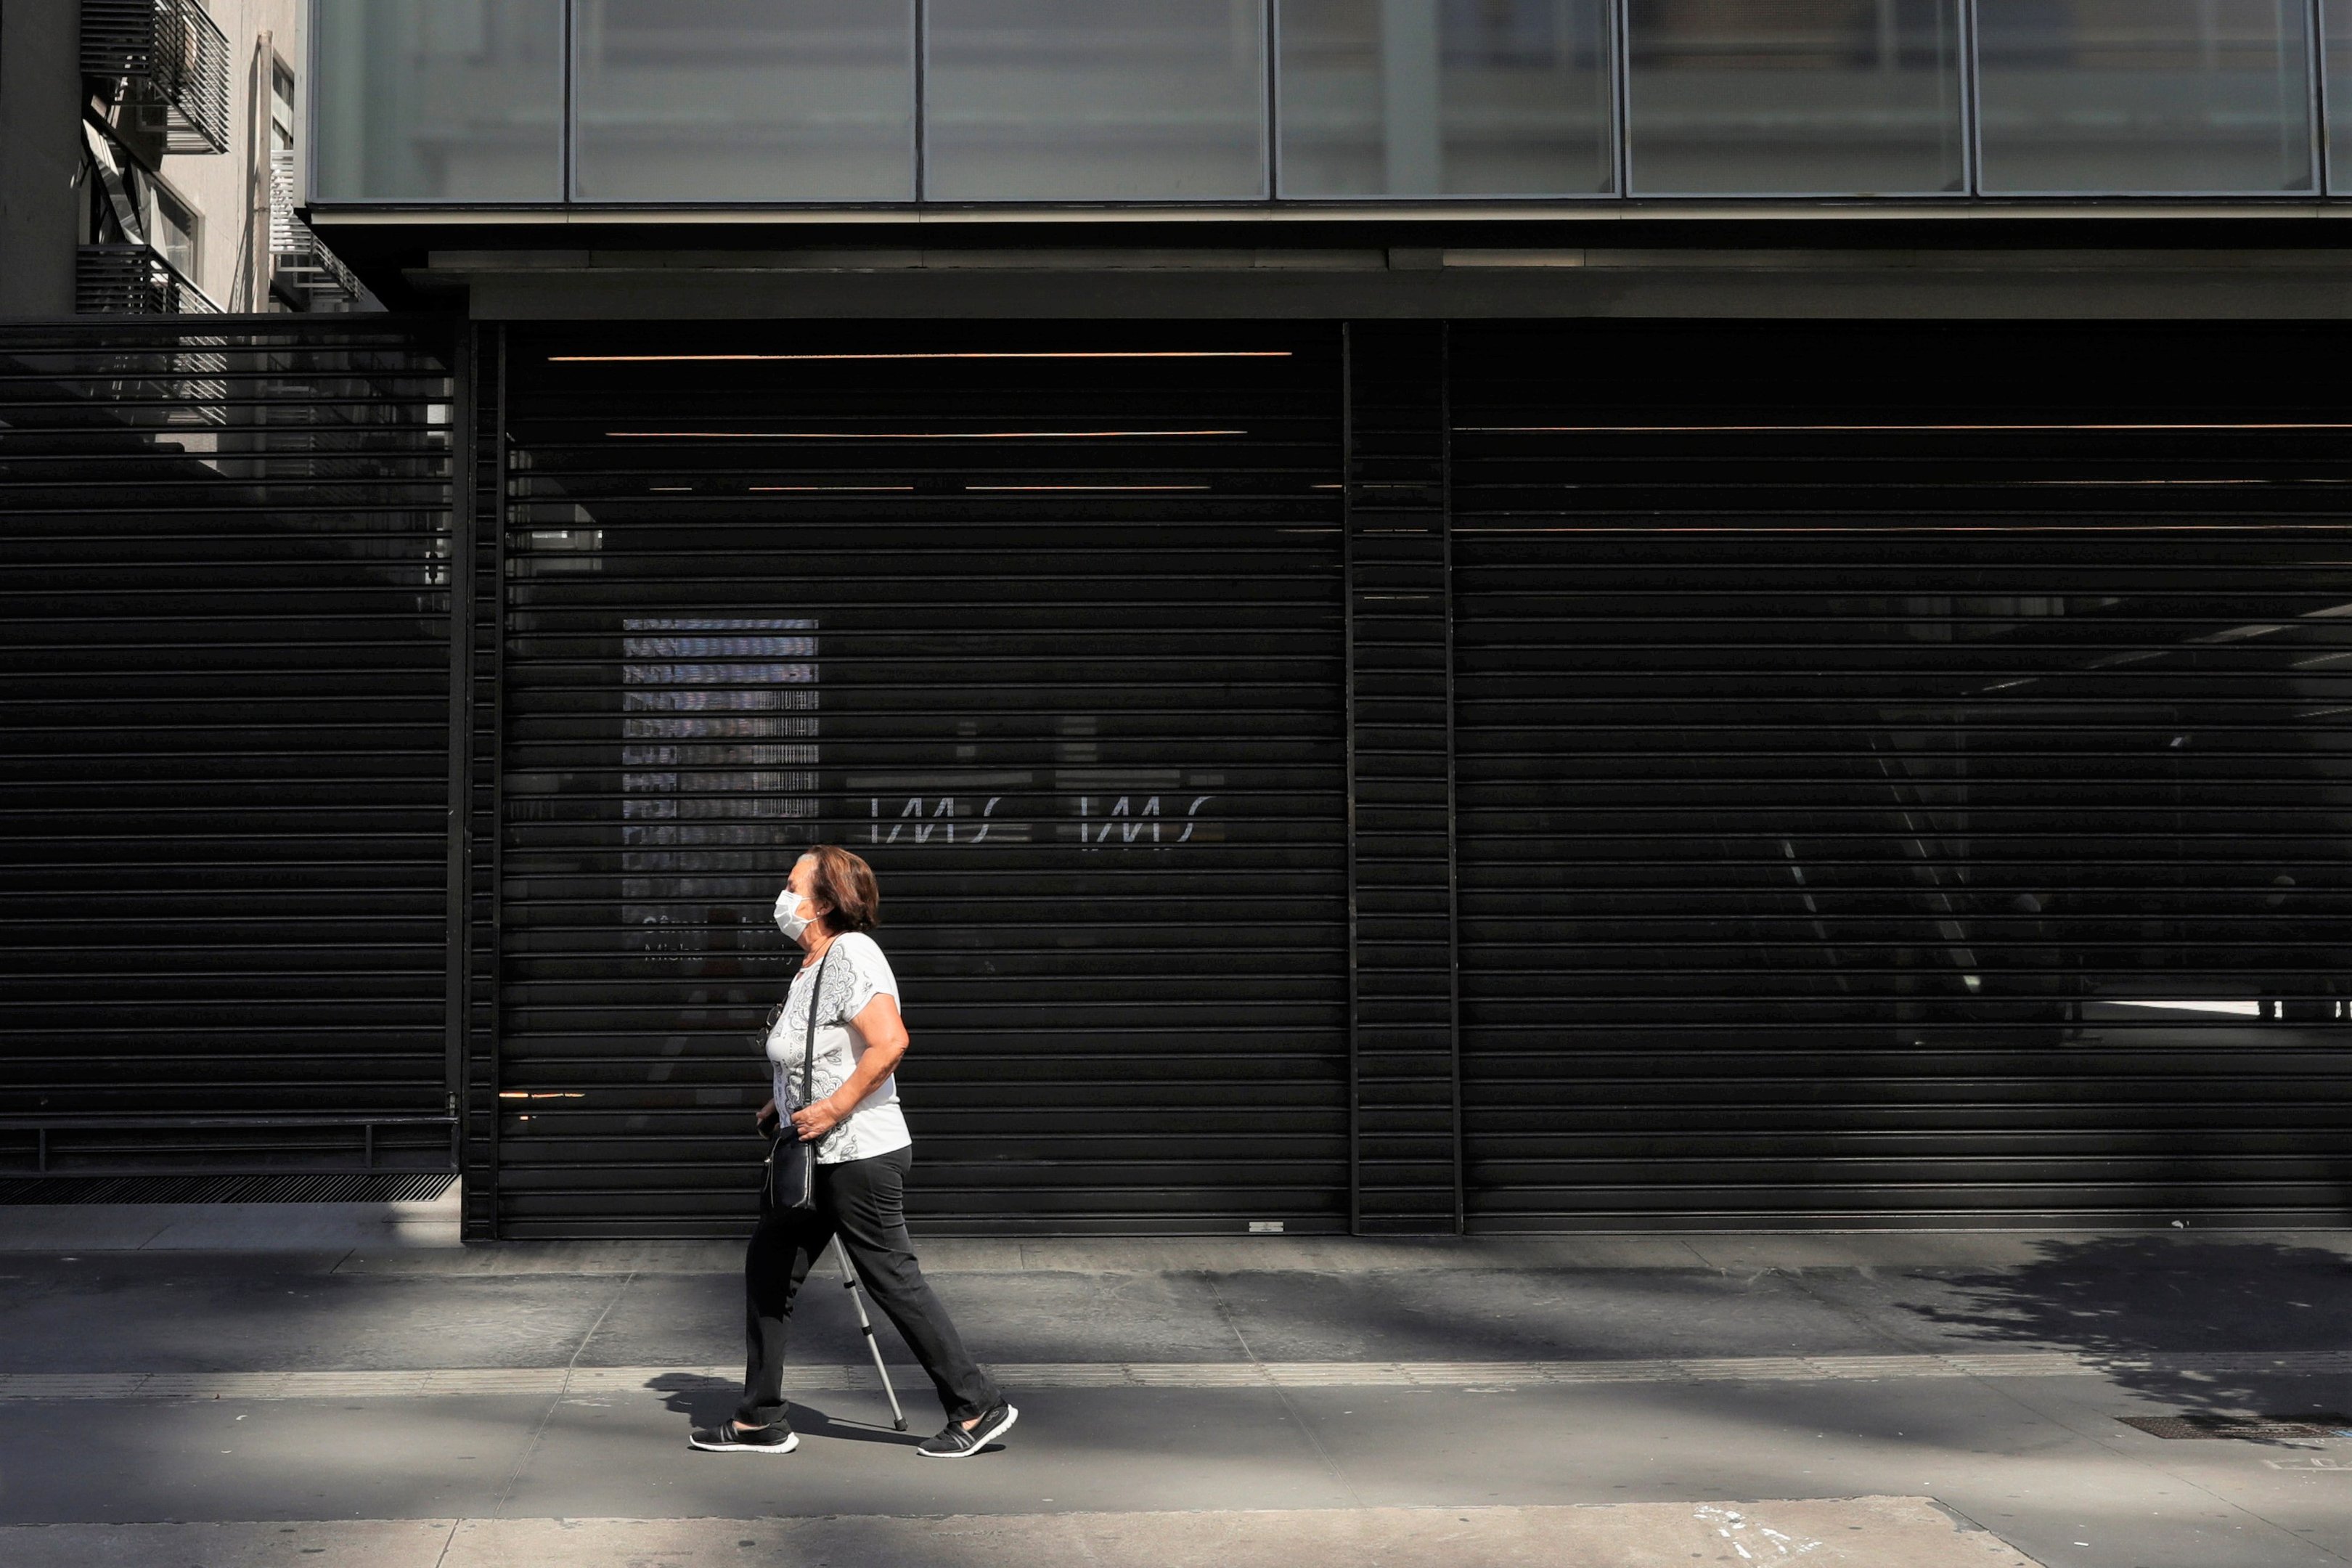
(901, 1424)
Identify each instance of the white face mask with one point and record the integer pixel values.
(789, 920)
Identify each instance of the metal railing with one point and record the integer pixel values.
(134, 281)
(204, 1144)
(173, 48)
(301, 262)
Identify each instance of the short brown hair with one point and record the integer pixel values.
(844, 886)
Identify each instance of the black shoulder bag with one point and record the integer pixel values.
(790, 1180)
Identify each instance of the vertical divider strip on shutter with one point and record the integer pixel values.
(1404, 1062)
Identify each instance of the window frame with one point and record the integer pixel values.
(1612, 25)
(2329, 186)
(1267, 131)
(2315, 87)
(161, 194)
(574, 200)
(1962, 129)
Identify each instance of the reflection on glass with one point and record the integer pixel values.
(2337, 16)
(2099, 834)
(1093, 100)
(2144, 96)
(744, 101)
(439, 100)
(718, 758)
(1444, 98)
(2111, 864)
(1832, 97)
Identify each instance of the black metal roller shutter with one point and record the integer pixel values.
(226, 653)
(1904, 777)
(1049, 628)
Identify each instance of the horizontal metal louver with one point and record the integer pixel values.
(1049, 627)
(223, 803)
(1904, 777)
(134, 280)
(176, 57)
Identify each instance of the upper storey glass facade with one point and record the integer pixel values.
(768, 103)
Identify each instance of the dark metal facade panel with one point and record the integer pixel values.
(1404, 1069)
(1819, 775)
(1048, 625)
(1904, 777)
(224, 805)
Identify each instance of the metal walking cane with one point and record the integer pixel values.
(866, 1325)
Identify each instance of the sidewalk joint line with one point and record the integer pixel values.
(530, 1449)
(1281, 1395)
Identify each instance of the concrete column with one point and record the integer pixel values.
(40, 156)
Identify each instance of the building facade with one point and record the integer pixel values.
(1438, 614)
(152, 161)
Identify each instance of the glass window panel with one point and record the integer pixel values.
(2339, 19)
(744, 101)
(2150, 96)
(282, 108)
(1094, 101)
(438, 100)
(1444, 98)
(173, 231)
(1795, 98)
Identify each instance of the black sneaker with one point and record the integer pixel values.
(955, 1443)
(727, 1438)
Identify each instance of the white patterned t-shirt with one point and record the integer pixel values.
(854, 973)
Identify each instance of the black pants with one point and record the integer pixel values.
(863, 1201)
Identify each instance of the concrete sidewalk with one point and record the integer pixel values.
(1862, 1532)
(1461, 1403)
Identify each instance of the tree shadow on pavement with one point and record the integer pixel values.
(2211, 1328)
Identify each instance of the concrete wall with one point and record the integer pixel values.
(40, 154)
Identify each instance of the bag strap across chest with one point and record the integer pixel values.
(808, 1038)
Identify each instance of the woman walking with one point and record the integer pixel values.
(863, 1151)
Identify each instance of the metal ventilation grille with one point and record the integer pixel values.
(1051, 632)
(225, 599)
(1904, 778)
(297, 1189)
